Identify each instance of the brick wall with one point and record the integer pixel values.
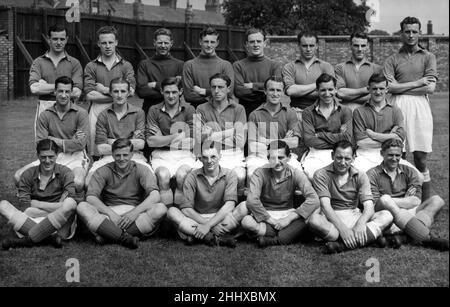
(6, 55)
(335, 49)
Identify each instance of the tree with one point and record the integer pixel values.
(325, 17)
(378, 32)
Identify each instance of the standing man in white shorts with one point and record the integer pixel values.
(375, 122)
(208, 212)
(99, 73)
(67, 125)
(223, 120)
(48, 192)
(120, 120)
(412, 77)
(122, 200)
(341, 188)
(169, 132)
(55, 63)
(275, 219)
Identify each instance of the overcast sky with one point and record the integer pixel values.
(391, 12)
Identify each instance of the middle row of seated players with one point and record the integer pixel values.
(173, 126)
(123, 202)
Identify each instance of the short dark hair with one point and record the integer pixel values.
(279, 144)
(307, 34)
(391, 143)
(107, 30)
(171, 81)
(358, 35)
(275, 79)
(409, 21)
(208, 144)
(57, 28)
(119, 80)
(220, 76)
(377, 78)
(209, 31)
(324, 78)
(47, 144)
(254, 31)
(63, 80)
(162, 31)
(121, 143)
(344, 144)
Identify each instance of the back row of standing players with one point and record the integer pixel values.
(319, 116)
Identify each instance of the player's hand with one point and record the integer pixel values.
(343, 128)
(151, 84)
(369, 133)
(219, 230)
(411, 191)
(248, 86)
(289, 133)
(138, 134)
(201, 231)
(359, 231)
(43, 81)
(110, 141)
(199, 90)
(127, 219)
(80, 135)
(281, 223)
(101, 88)
(114, 217)
(348, 237)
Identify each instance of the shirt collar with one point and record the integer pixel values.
(201, 172)
(231, 103)
(363, 62)
(130, 108)
(382, 169)
(99, 59)
(419, 49)
(47, 56)
(337, 105)
(181, 106)
(371, 105)
(315, 60)
(287, 173)
(352, 171)
(263, 107)
(72, 107)
(56, 172)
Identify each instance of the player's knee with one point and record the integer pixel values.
(17, 177)
(241, 209)
(385, 201)
(163, 176)
(173, 214)
(69, 205)
(181, 174)
(82, 208)
(315, 220)
(248, 222)
(160, 210)
(437, 201)
(241, 174)
(79, 183)
(4, 204)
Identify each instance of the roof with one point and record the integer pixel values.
(125, 10)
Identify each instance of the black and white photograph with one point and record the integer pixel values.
(224, 151)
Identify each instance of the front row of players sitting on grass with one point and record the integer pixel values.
(123, 202)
